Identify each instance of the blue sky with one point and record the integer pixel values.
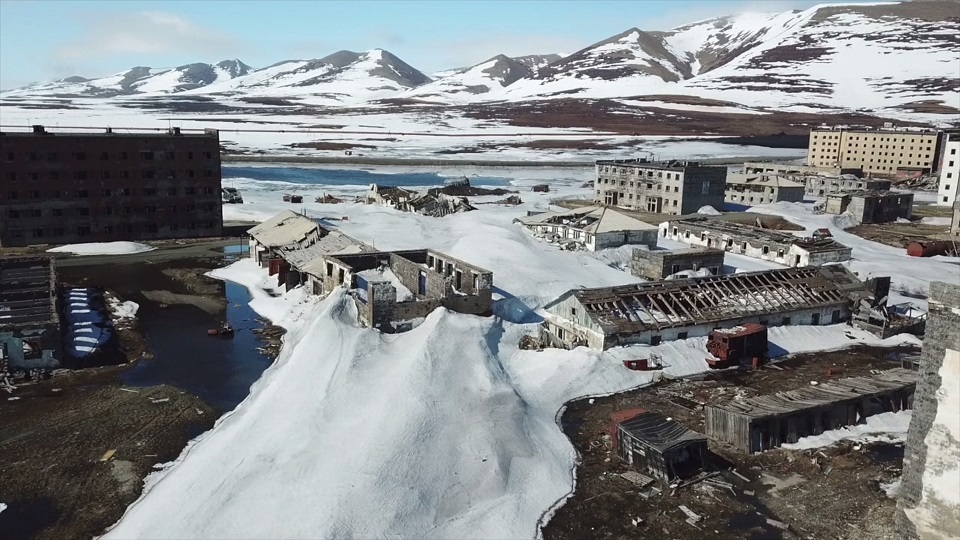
(47, 39)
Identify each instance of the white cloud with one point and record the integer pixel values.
(143, 33)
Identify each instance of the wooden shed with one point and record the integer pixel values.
(766, 422)
(660, 447)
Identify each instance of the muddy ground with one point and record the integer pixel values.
(833, 492)
(55, 433)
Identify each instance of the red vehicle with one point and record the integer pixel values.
(745, 345)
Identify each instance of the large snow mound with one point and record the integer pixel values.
(102, 248)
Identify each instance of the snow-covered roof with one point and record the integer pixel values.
(601, 219)
(310, 259)
(283, 229)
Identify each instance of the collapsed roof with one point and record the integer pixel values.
(656, 305)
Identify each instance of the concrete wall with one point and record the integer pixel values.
(659, 264)
(702, 186)
(750, 194)
(647, 237)
(882, 209)
(659, 187)
(821, 186)
(929, 504)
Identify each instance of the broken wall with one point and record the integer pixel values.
(929, 500)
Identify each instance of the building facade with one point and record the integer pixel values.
(821, 186)
(657, 264)
(765, 244)
(948, 187)
(885, 151)
(871, 206)
(662, 187)
(30, 336)
(99, 187)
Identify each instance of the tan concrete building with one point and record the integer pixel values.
(884, 151)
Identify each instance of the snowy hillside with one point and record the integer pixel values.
(462, 85)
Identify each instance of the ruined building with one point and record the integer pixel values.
(753, 189)
(871, 206)
(764, 422)
(657, 264)
(98, 187)
(765, 244)
(590, 227)
(391, 289)
(929, 499)
(821, 186)
(648, 313)
(29, 319)
(885, 151)
(674, 187)
(287, 229)
(429, 202)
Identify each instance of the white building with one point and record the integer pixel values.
(592, 227)
(949, 186)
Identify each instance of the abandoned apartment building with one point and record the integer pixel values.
(652, 312)
(100, 187)
(756, 242)
(871, 206)
(30, 336)
(793, 169)
(428, 202)
(590, 227)
(657, 264)
(766, 422)
(392, 289)
(670, 187)
(753, 189)
(657, 446)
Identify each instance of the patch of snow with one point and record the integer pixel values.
(708, 211)
(3, 506)
(123, 310)
(386, 274)
(886, 427)
(102, 248)
(892, 489)
(935, 220)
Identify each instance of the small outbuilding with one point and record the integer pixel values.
(657, 264)
(871, 206)
(590, 227)
(659, 447)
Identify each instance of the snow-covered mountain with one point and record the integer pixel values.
(344, 77)
(463, 84)
(882, 59)
(141, 80)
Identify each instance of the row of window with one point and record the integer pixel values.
(880, 138)
(15, 195)
(705, 237)
(86, 230)
(144, 155)
(640, 185)
(104, 175)
(21, 213)
(640, 172)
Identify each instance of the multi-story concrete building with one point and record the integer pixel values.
(672, 187)
(949, 186)
(955, 222)
(887, 151)
(751, 189)
(95, 187)
(871, 206)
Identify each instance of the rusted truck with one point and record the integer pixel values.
(741, 345)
